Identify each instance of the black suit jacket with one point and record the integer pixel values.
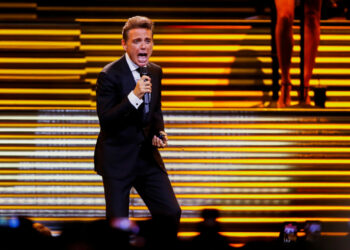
(123, 134)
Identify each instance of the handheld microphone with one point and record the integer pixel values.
(146, 97)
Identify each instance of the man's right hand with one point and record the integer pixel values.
(143, 86)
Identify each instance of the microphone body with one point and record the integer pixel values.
(147, 96)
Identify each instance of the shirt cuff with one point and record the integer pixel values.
(134, 100)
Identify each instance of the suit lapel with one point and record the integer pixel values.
(128, 81)
(154, 80)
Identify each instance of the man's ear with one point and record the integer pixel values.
(124, 44)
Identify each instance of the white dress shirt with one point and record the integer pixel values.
(134, 100)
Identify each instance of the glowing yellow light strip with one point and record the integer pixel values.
(261, 173)
(266, 219)
(188, 36)
(202, 59)
(325, 37)
(262, 149)
(226, 161)
(27, 60)
(324, 82)
(237, 245)
(272, 234)
(206, 81)
(43, 160)
(45, 32)
(48, 108)
(52, 195)
(263, 208)
(36, 183)
(243, 93)
(39, 77)
(190, 70)
(261, 161)
(212, 93)
(324, 71)
(207, 36)
(211, 104)
(326, 59)
(218, 81)
(264, 196)
(46, 148)
(292, 126)
(280, 220)
(250, 234)
(37, 207)
(329, 48)
(69, 172)
(46, 102)
(47, 124)
(263, 137)
(221, 220)
(138, 9)
(187, 234)
(234, 234)
(216, 48)
(338, 93)
(168, 81)
(187, 184)
(192, 208)
(44, 91)
(193, 172)
(215, 196)
(258, 234)
(39, 44)
(233, 21)
(264, 184)
(226, 81)
(228, 70)
(197, 149)
(50, 136)
(239, 93)
(43, 71)
(250, 108)
(227, 48)
(337, 104)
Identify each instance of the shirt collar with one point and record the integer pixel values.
(133, 66)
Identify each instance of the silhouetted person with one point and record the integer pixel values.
(209, 236)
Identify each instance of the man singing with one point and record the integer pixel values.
(132, 130)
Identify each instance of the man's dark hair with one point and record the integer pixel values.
(136, 22)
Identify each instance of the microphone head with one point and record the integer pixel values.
(143, 71)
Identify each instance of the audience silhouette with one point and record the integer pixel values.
(153, 234)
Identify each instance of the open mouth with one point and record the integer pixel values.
(142, 57)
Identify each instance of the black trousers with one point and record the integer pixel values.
(151, 183)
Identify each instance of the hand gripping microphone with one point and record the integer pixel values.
(146, 97)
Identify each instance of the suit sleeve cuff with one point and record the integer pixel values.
(134, 100)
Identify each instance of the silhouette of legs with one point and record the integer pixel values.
(312, 14)
(284, 44)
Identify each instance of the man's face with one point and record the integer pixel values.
(139, 45)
